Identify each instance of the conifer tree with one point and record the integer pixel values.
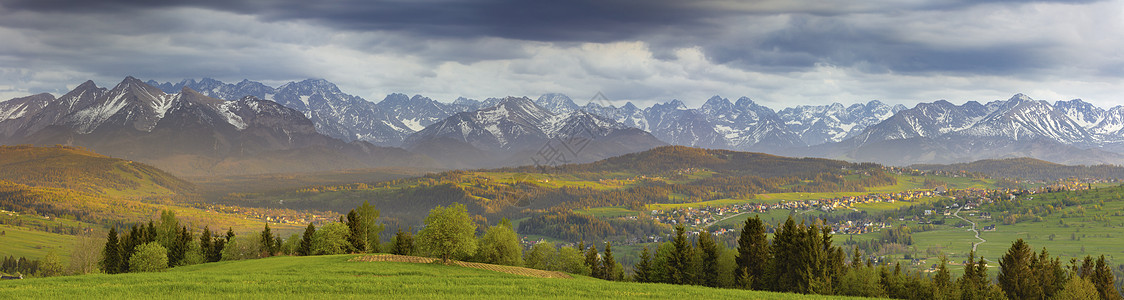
(305, 248)
(679, 269)
(708, 274)
(612, 272)
(403, 242)
(753, 254)
(206, 243)
(643, 268)
(592, 261)
(111, 255)
(1015, 275)
(266, 241)
(356, 234)
(1103, 279)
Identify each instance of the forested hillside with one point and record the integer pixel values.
(1029, 169)
(82, 170)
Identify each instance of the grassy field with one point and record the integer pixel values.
(335, 277)
(33, 244)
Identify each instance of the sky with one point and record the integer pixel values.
(780, 53)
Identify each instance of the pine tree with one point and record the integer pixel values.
(177, 250)
(643, 268)
(679, 269)
(610, 263)
(403, 242)
(1015, 274)
(111, 255)
(753, 254)
(1103, 279)
(592, 261)
(708, 274)
(356, 234)
(266, 241)
(305, 248)
(206, 243)
(942, 281)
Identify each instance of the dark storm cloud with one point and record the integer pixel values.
(593, 21)
(578, 20)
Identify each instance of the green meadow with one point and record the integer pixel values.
(334, 277)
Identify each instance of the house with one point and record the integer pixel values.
(989, 227)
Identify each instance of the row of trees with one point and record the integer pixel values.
(802, 259)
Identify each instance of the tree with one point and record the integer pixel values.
(305, 248)
(449, 232)
(1077, 288)
(206, 244)
(571, 260)
(708, 250)
(51, 265)
(1104, 281)
(194, 255)
(368, 220)
(942, 281)
(331, 239)
(111, 256)
(542, 256)
(168, 230)
(613, 269)
(790, 269)
(177, 250)
(356, 234)
(150, 257)
(266, 242)
(86, 255)
(291, 244)
(679, 269)
(403, 242)
(500, 246)
(593, 261)
(753, 254)
(1015, 275)
(643, 268)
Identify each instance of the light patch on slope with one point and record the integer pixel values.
(13, 113)
(95, 115)
(305, 100)
(231, 117)
(413, 124)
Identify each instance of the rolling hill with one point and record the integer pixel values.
(85, 171)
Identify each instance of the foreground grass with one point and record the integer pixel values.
(334, 277)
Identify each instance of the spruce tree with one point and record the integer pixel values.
(610, 263)
(1103, 279)
(206, 243)
(942, 281)
(592, 261)
(1015, 274)
(643, 268)
(679, 269)
(266, 241)
(753, 254)
(708, 273)
(403, 242)
(111, 255)
(356, 233)
(305, 248)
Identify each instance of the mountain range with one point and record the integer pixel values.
(517, 130)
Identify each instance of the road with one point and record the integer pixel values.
(723, 219)
(957, 214)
